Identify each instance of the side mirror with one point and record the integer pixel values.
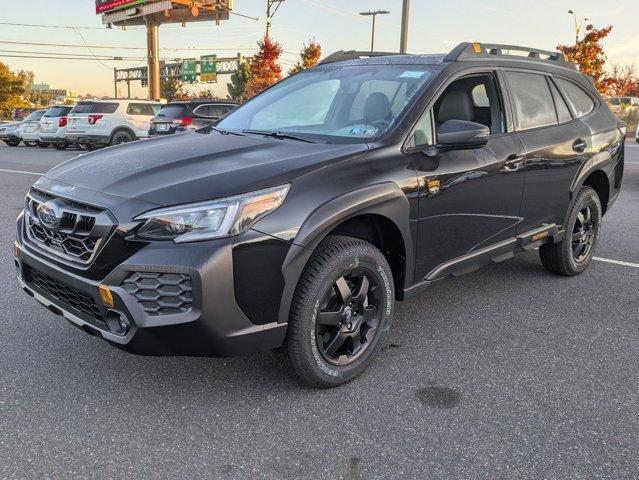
(462, 134)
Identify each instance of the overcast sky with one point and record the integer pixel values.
(435, 26)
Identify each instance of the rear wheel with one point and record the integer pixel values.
(12, 143)
(574, 253)
(42, 144)
(60, 146)
(121, 136)
(341, 312)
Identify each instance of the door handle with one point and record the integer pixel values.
(579, 145)
(513, 162)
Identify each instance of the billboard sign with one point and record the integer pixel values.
(104, 6)
(208, 68)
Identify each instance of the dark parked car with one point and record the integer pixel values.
(296, 222)
(187, 116)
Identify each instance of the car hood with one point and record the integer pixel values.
(194, 167)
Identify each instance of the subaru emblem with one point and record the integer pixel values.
(48, 215)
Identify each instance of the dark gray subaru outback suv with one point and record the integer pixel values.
(297, 221)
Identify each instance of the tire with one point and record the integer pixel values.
(121, 136)
(42, 144)
(574, 253)
(30, 144)
(60, 146)
(330, 341)
(12, 143)
(90, 148)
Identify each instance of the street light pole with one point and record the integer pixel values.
(578, 25)
(403, 40)
(270, 12)
(374, 14)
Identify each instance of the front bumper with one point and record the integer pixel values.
(10, 137)
(215, 325)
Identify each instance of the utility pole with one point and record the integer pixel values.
(403, 41)
(153, 54)
(374, 15)
(578, 25)
(270, 13)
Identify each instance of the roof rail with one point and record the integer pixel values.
(343, 55)
(486, 51)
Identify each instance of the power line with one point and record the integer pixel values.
(47, 26)
(122, 47)
(103, 57)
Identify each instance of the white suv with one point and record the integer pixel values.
(97, 123)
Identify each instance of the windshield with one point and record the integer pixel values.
(57, 111)
(336, 103)
(35, 116)
(175, 110)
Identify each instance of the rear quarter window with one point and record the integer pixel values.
(144, 109)
(580, 102)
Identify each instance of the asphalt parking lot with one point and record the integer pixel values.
(509, 372)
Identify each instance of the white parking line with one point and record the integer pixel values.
(21, 171)
(616, 262)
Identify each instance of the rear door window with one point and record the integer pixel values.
(580, 102)
(532, 100)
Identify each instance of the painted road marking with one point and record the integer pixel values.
(616, 262)
(21, 171)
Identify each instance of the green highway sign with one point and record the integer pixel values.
(189, 70)
(208, 68)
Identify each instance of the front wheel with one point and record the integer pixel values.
(341, 312)
(42, 144)
(12, 143)
(574, 253)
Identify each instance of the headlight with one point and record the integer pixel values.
(214, 219)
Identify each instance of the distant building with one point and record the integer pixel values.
(58, 95)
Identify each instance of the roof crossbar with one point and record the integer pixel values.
(344, 55)
(484, 51)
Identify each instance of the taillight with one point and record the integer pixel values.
(62, 122)
(94, 118)
(186, 121)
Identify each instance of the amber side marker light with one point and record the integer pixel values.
(106, 295)
(477, 47)
(16, 250)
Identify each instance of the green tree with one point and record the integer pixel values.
(239, 81)
(171, 89)
(309, 56)
(13, 87)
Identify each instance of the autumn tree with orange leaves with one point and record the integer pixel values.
(265, 71)
(309, 56)
(589, 55)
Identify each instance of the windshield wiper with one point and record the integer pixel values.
(225, 132)
(277, 134)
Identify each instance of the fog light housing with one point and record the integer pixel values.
(117, 322)
(106, 295)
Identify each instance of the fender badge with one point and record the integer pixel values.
(433, 186)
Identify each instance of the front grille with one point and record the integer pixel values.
(161, 293)
(77, 234)
(65, 294)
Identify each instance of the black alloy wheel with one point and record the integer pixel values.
(573, 254)
(120, 137)
(349, 317)
(583, 234)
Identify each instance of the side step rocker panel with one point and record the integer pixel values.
(499, 252)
